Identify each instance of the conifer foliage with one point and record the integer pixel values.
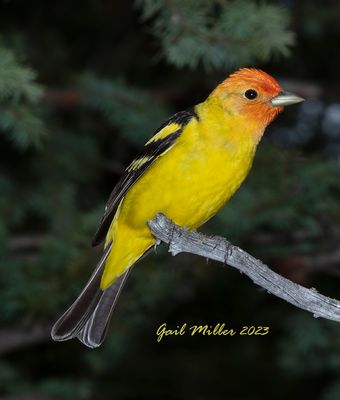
(20, 94)
(82, 85)
(218, 33)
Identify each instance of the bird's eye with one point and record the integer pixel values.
(250, 94)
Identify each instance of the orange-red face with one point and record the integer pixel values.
(249, 92)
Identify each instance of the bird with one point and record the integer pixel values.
(187, 170)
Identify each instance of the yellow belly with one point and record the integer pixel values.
(188, 188)
(189, 184)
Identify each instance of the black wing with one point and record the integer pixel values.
(156, 146)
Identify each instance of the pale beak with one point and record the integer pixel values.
(285, 99)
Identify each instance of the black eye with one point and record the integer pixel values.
(251, 94)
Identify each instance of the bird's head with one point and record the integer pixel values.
(255, 95)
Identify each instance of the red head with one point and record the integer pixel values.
(254, 94)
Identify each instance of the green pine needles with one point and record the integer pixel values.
(20, 117)
(218, 33)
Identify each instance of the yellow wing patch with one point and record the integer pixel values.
(163, 133)
(138, 163)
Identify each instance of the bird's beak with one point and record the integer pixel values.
(285, 99)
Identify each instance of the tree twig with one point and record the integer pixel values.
(219, 249)
(12, 339)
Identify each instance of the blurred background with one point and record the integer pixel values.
(82, 85)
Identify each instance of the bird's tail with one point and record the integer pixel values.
(88, 317)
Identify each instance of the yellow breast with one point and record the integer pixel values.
(193, 180)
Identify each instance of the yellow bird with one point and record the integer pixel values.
(188, 170)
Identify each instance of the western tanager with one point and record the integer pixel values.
(188, 170)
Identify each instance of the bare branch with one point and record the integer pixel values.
(12, 339)
(219, 249)
(27, 241)
(28, 396)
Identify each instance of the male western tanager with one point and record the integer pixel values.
(188, 170)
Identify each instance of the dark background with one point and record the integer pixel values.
(82, 85)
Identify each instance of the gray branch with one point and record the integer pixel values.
(180, 240)
(12, 339)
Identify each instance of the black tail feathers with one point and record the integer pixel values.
(88, 317)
